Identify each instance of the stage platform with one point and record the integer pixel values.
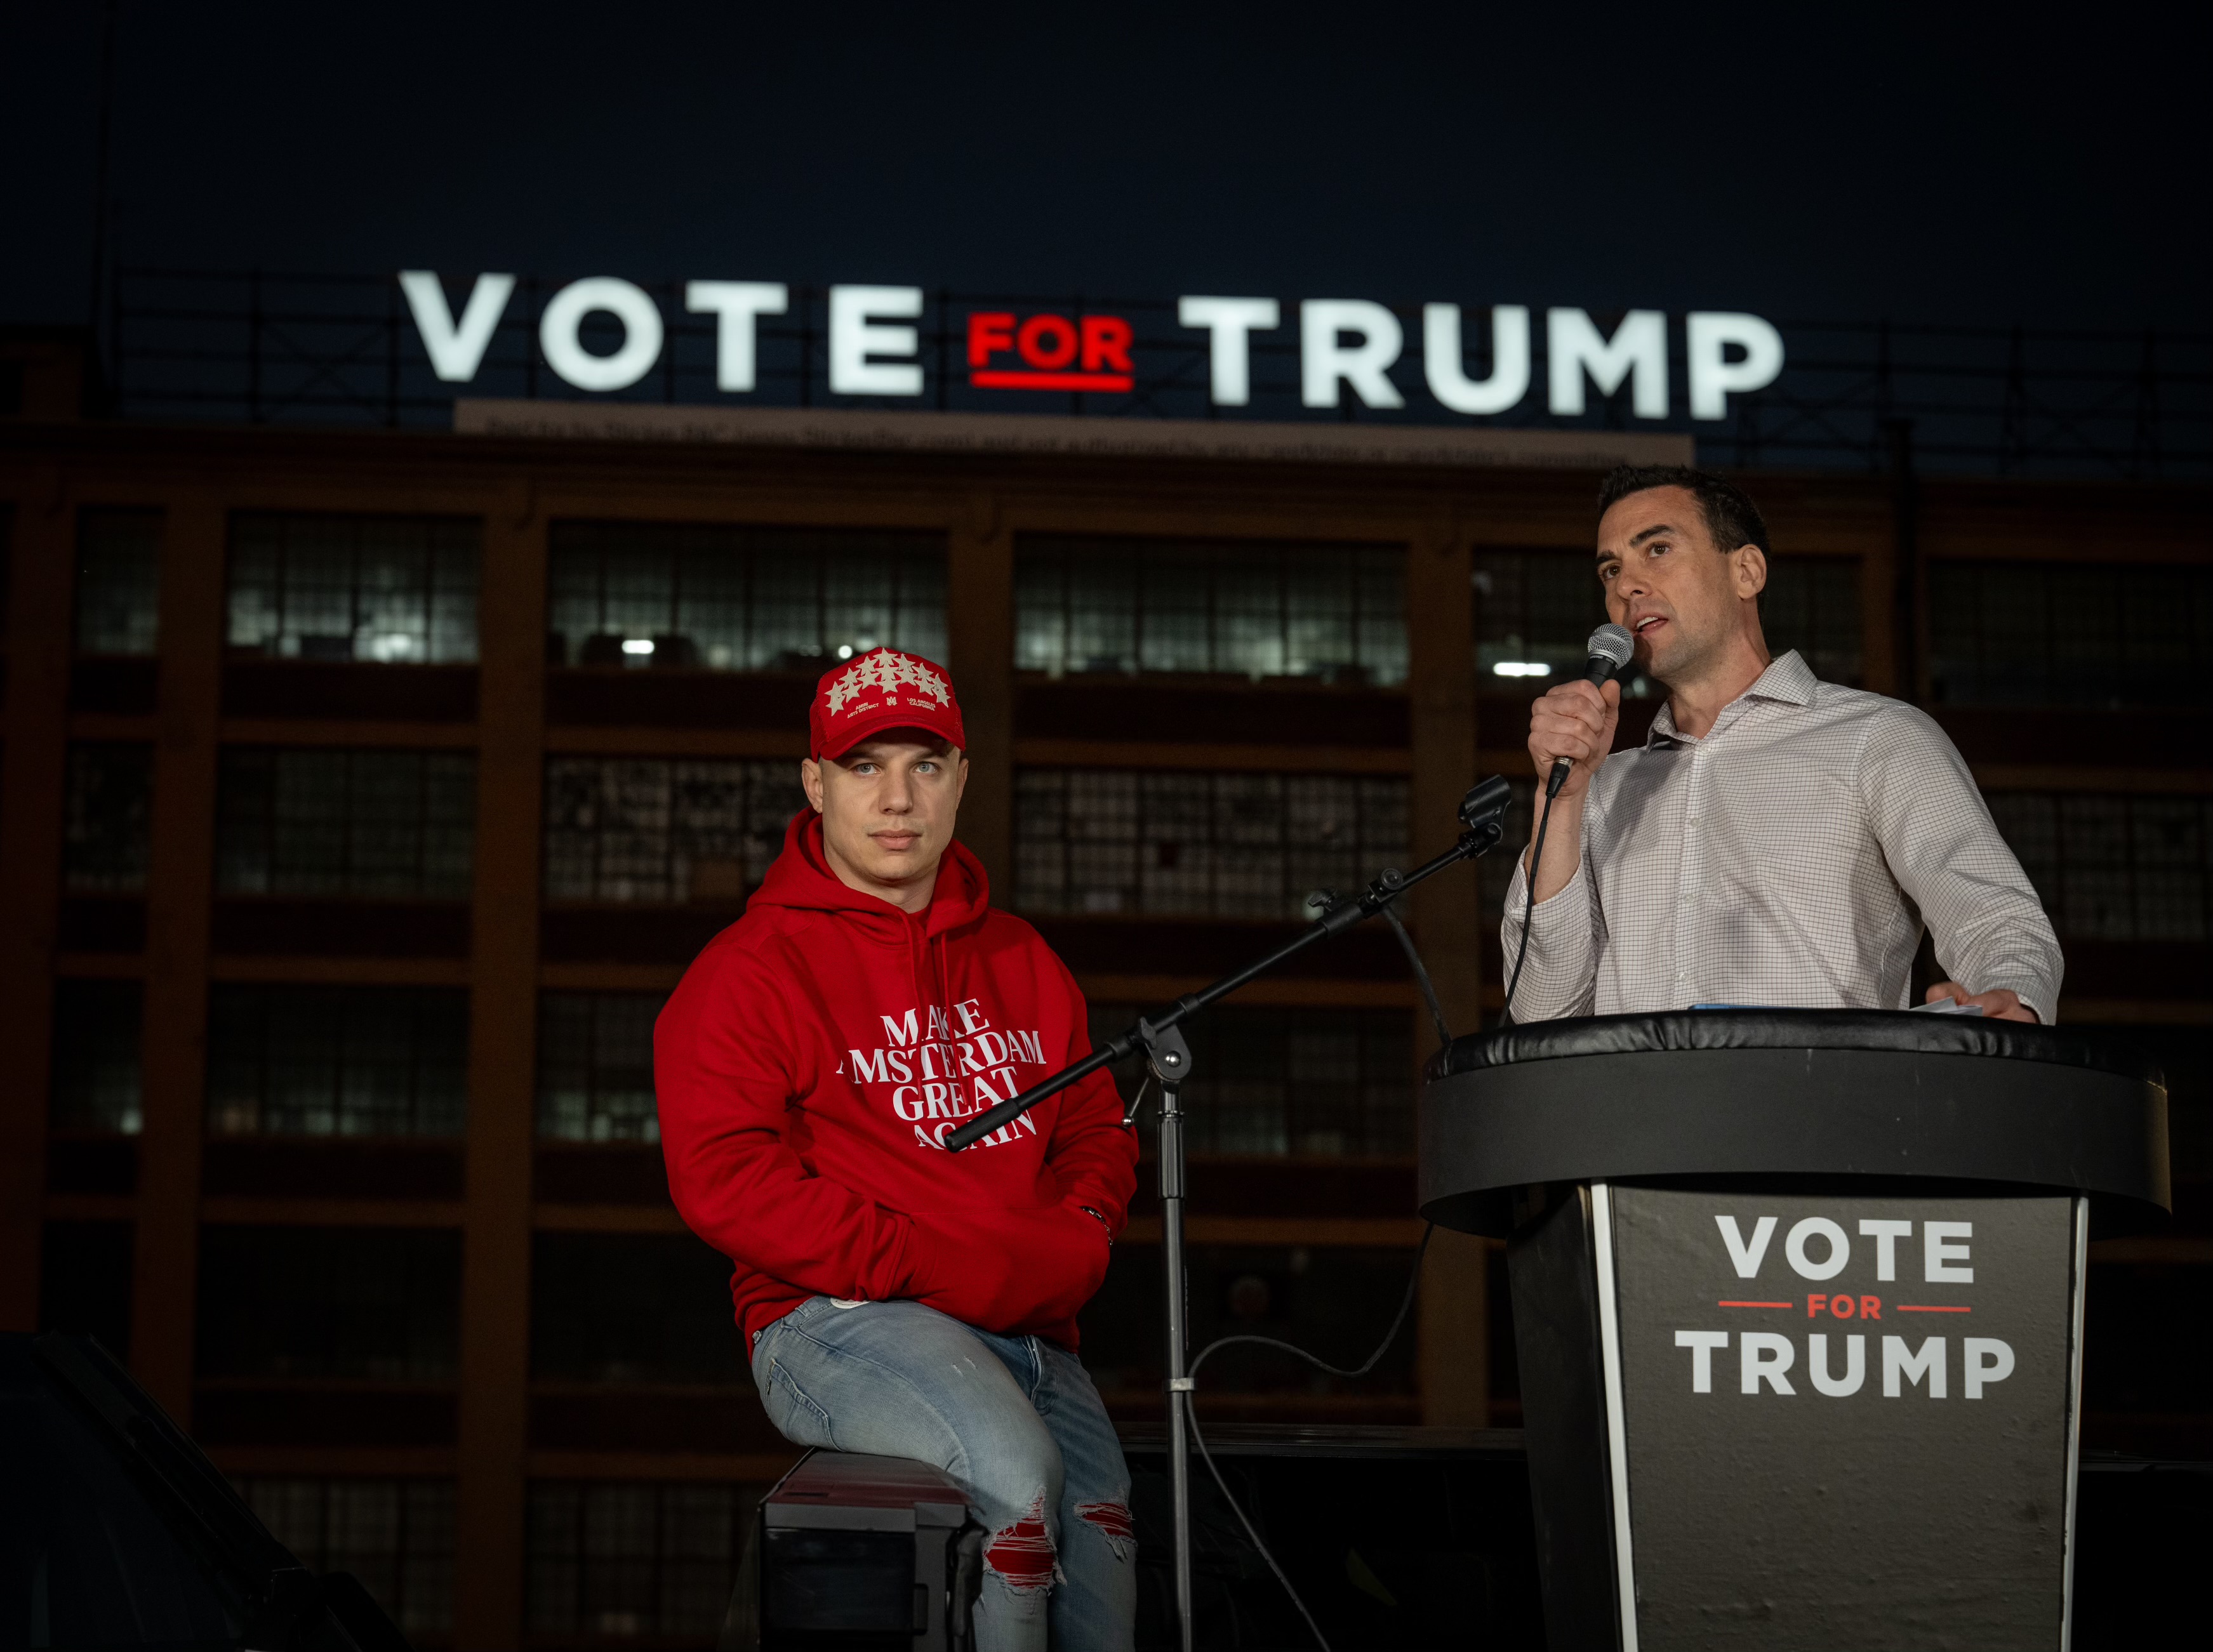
(1408, 1538)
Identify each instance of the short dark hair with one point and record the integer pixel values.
(1731, 516)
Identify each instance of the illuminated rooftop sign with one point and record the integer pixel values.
(1346, 348)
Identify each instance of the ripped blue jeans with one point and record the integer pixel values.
(1015, 1420)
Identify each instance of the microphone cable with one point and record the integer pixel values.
(1610, 649)
(1398, 1320)
(1529, 910)
(1406, 1302)
(1190, 1413)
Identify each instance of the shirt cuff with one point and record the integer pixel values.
(2036, 990)
(1517, 897)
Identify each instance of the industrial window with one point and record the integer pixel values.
(95, 1077)
(338, 1061)
(1534, 612)
(2059, 634)
(383, 823)
(631, 1308)
(635, 1560)
(106, 818)
(2114, 868)
(119, 581)
(741, 599)
(392, 589)
(595, 1067)
(650, 829)
(1199, 844)
(1812, 605)
(396, 1536)
(1335, 612)
(374, 1304)
(1326, 1084)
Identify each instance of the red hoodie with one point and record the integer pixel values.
(817, 1052)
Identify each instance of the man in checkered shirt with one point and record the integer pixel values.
(1776, 839)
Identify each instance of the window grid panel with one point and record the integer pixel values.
(644, 595)
(659, 830)
(595, 1067)
(2070, 634)
(1087, 605)
(633, 1308)
(1812, 605)
(2112, 867)
(379, 824)
(96, 1082)
(1199, 844)
(107, 815)
(388, 590)
(1275, 1082)
(1532, 609)
(119, 582)
(379, 1304)
(337, 1061)
(632, 1559)
(396, 1536)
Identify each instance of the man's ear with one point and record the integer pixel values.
(1751, 570)
(810, 781)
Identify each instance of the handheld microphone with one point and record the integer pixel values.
(1609, 648)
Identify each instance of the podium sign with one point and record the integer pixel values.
(1839, 1421)
(1798, 1310)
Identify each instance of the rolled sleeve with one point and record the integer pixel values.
(1560, 976)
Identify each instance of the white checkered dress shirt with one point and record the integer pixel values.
(1790, 857)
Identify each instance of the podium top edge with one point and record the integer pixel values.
(1894, 1031)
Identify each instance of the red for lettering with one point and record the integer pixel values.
(1814, 1305)
(1870, 1307)
(1106, 343)
(988, 331)
(1842, 1306)
(1048, 341)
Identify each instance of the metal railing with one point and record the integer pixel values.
(257, 347)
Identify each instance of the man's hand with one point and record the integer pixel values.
(1576, 721)
(2003, 1005)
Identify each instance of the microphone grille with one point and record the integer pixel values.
(1612, 642)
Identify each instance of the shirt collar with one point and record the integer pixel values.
(1788, 679)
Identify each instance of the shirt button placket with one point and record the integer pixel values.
(1687, 876)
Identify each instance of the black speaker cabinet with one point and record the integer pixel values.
(862, 1553)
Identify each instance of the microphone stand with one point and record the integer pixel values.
(1482, 813)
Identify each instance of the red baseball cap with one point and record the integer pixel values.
(883, 689)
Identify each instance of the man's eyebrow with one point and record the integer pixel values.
(1639, 538)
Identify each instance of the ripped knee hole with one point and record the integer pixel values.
(1022, 1554)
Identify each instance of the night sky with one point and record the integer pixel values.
(1840, 163)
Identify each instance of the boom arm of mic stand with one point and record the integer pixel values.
(1481, 810)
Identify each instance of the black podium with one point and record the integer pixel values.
(1798, 1302)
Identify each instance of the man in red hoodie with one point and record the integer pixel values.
(897, 1298)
